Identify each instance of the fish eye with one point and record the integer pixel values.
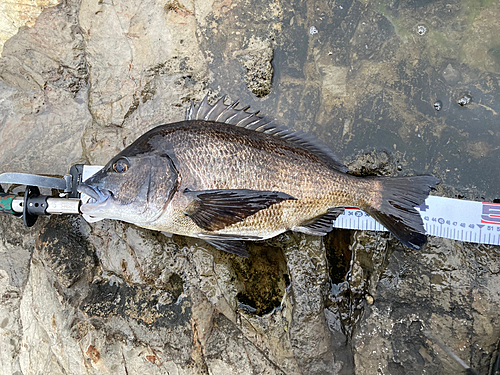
(121, 166)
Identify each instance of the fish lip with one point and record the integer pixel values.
(93, 192)
(100, 196)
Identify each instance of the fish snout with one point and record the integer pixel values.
(97, 196)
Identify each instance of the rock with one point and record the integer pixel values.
(10, 324)
(87, 78)
(256, 58)
(143, 48)
(16, 15)
(311, 340)
(451, 75)
(480, 46)
(167, 321)
(63, 248)
(43, 96)
(374, 163)
(16, 246)
(431, 288)
(333, 82)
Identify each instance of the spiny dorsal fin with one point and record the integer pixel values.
(220, 112)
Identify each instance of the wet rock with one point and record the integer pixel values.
(333, 81)
(374, 163)
(112, 318)
(311, 341)
(226, 351)
(261, 280)
(94, 342)
(391, 333)
(375, 39)
(63, 248)
(451, 75)
(480, 41)
(143, 309)
(479, 149)
(256, 58)
(339, 254)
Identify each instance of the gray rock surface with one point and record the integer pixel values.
(88, 77)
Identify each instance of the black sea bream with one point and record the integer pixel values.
(227, 176)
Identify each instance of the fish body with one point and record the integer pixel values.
(227, 176)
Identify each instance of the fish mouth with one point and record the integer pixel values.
(98, 197)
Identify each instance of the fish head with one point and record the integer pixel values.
(132, 188)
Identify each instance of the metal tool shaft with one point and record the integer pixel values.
(36, 180)
(53, 206)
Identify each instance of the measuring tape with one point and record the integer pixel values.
(456, 219)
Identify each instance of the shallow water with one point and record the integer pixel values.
(368, 76)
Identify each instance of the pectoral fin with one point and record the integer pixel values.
(213, 210)
(321, 225)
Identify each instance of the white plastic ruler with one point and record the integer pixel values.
(89, 171)
(443, 217)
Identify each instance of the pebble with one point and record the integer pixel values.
(464, 100)
(421, 30)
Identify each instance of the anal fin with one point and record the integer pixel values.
(321, 225)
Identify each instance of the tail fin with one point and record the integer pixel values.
(400, 196)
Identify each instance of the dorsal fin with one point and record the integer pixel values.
(220, 112)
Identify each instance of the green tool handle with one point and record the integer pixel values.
(6, 203)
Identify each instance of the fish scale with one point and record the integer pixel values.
(213, 172)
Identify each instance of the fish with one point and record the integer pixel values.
(227, 175)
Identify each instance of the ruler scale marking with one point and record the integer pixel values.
(458, 219)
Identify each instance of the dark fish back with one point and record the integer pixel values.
(220, 156)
